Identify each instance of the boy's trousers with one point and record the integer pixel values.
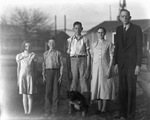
(78, 68)
(52, 90)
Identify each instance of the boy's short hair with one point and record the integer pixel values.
(77, 23)
(102, 29)
(51, 38)
(125, 11)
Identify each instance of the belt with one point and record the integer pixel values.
(53, 69)
(78, 56)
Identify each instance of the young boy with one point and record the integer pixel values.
(52, 76)
(79, 55)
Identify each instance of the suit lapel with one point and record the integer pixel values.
(121, 32)
(128, 42)
(127, 33)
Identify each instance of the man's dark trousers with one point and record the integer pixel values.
(127, 91)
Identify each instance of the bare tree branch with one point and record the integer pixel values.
(30, 20)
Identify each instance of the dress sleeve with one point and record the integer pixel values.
(111, 50)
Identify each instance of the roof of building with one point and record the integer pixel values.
(111, 26)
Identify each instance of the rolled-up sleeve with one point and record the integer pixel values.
(87, 43)
(68, 45)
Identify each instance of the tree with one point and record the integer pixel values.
(30, 20)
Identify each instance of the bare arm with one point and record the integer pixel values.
(88, 69)
(88, 61)
(43, 70)
(18, 72)
(61, 69)
(61, 66)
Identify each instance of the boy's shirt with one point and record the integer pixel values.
(78, 46)
(52, 59)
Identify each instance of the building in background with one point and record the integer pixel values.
(111, 31)
(11, 38)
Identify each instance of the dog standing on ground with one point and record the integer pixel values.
(77, 102)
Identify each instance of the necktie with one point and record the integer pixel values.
(124, 29)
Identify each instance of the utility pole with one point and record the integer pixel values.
(65, 23)
(110, 11)
(55, 26)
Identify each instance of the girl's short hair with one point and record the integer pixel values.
(102, 29)
(23, 45)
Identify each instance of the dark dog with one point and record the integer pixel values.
(77, 102)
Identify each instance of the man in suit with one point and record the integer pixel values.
(128, 57)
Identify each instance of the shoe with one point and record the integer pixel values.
(117, 116)
(53, 115)
(123, 118)
(98, 112)
(83, 113)
(103, 114)
(47, 115)
(131, 117)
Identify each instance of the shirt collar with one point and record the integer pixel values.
(74, 37)
(127, 26)
(51, 50)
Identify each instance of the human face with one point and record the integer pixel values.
(125, 17)
(27, 46)
(100, 33)
(51, 44)
(77, 29)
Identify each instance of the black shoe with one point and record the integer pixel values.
(117, 116)
(98, 112)
(47, 115)
(103, 114)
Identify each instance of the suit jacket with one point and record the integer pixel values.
(128, 47)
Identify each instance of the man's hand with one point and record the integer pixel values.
(87, 74)
(60, 80)
(116, 68)
(137, 70)
(44, 79)
(69, 75)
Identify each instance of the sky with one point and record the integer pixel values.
(89, 12)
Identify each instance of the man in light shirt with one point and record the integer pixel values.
(79, 69)
(52, 76)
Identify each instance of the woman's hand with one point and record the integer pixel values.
(116, 69)
(108, 73)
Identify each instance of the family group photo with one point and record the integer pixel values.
(92, 64)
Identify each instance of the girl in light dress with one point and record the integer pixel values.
(26, 62)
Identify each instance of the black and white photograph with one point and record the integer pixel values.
(74, 60)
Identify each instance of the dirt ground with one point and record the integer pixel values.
(12, 109)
